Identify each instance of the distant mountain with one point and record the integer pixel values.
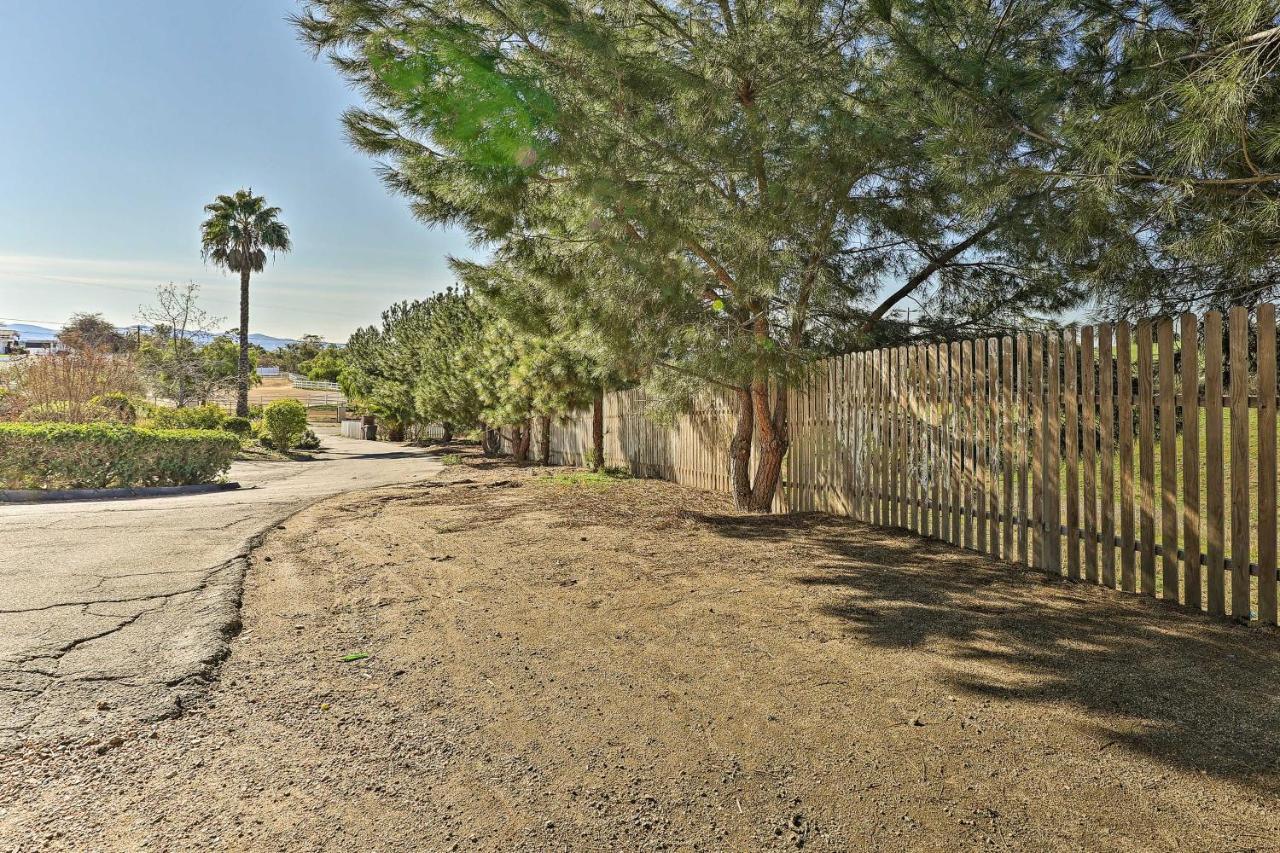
(29, 332)
(269, 343)
(41, 333)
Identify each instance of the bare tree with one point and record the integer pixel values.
(177, 318)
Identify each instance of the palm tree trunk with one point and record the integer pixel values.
(242, 373)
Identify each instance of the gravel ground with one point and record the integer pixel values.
(553, 665)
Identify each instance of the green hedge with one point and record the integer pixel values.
(107, 455)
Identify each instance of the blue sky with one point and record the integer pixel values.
(121, 119)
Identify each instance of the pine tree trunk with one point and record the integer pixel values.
(775, 440)
(520, 442)
(544, 439)
(447, 428)
(597, 430)
(740, 451)
(242, 371)
(492, 443)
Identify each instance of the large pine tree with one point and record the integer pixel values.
(716, 182)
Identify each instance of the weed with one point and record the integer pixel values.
(592, 479)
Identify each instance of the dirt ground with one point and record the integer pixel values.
(633, 666)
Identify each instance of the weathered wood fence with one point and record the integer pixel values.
(1140, 457)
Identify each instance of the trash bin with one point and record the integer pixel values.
(369, 428)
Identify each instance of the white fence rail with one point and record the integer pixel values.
(313, 384)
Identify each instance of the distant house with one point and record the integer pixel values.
(49, 346)
(10, 341)
(38, 342)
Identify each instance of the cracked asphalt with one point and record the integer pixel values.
(113, 612)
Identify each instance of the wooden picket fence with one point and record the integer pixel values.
(1139, 457)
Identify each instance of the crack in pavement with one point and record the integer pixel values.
(91, 603)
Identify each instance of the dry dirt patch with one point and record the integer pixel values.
(633, 666)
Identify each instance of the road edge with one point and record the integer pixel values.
(50, 495)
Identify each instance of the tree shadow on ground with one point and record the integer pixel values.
(1181, 688)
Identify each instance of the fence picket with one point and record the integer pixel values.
(944, 442)
(1146, 460)
(1007, 433)
(1106, 450)
(979, 442)
(1214, 516)
(1240, 551)
(1124, 419)
(1053, 459)
(938, 474)
(966, 441)
(886, 437)
(957, 427)
(1168, 463)
(992, 444)
(1089, 431)
(904, 430)
(1024, 447)
(910, 462)
(1036, 451)
(864, 437)
(1191, 575)
(1267, 464)
(1071, 372)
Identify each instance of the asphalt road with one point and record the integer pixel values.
(112, 611)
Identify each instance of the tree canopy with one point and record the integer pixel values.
(725, 192)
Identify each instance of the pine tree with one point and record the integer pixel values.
(716, 194)
(1147, 128)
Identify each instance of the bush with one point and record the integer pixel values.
(74, 378)
(62, 412)
(309, 441)
(208, 416)
(105, 455)
(121, 407)
(284, 422)
(237, 425)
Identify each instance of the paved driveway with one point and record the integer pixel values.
(118, 610)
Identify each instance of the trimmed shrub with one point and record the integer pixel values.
(237, 425)
(106, 455)
(63, 412)
(207, 416)
(284, 422)
(119, 404)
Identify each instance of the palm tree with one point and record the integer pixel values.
(239, 232)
